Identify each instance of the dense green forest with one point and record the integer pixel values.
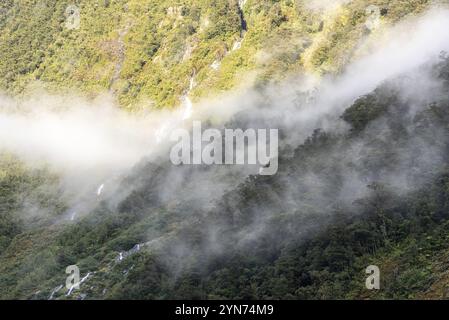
(147, 51)
(318, 248)
(376, 193)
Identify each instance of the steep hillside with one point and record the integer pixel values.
(363, 161)
(317, 247)
(152, 53)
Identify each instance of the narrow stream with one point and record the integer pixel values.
(243, 23)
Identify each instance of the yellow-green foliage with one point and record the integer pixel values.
(146, 51)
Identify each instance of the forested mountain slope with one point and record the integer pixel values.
(361, 183)
(147, 51)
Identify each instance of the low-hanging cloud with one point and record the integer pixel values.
(89, 142)
(101, 152)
